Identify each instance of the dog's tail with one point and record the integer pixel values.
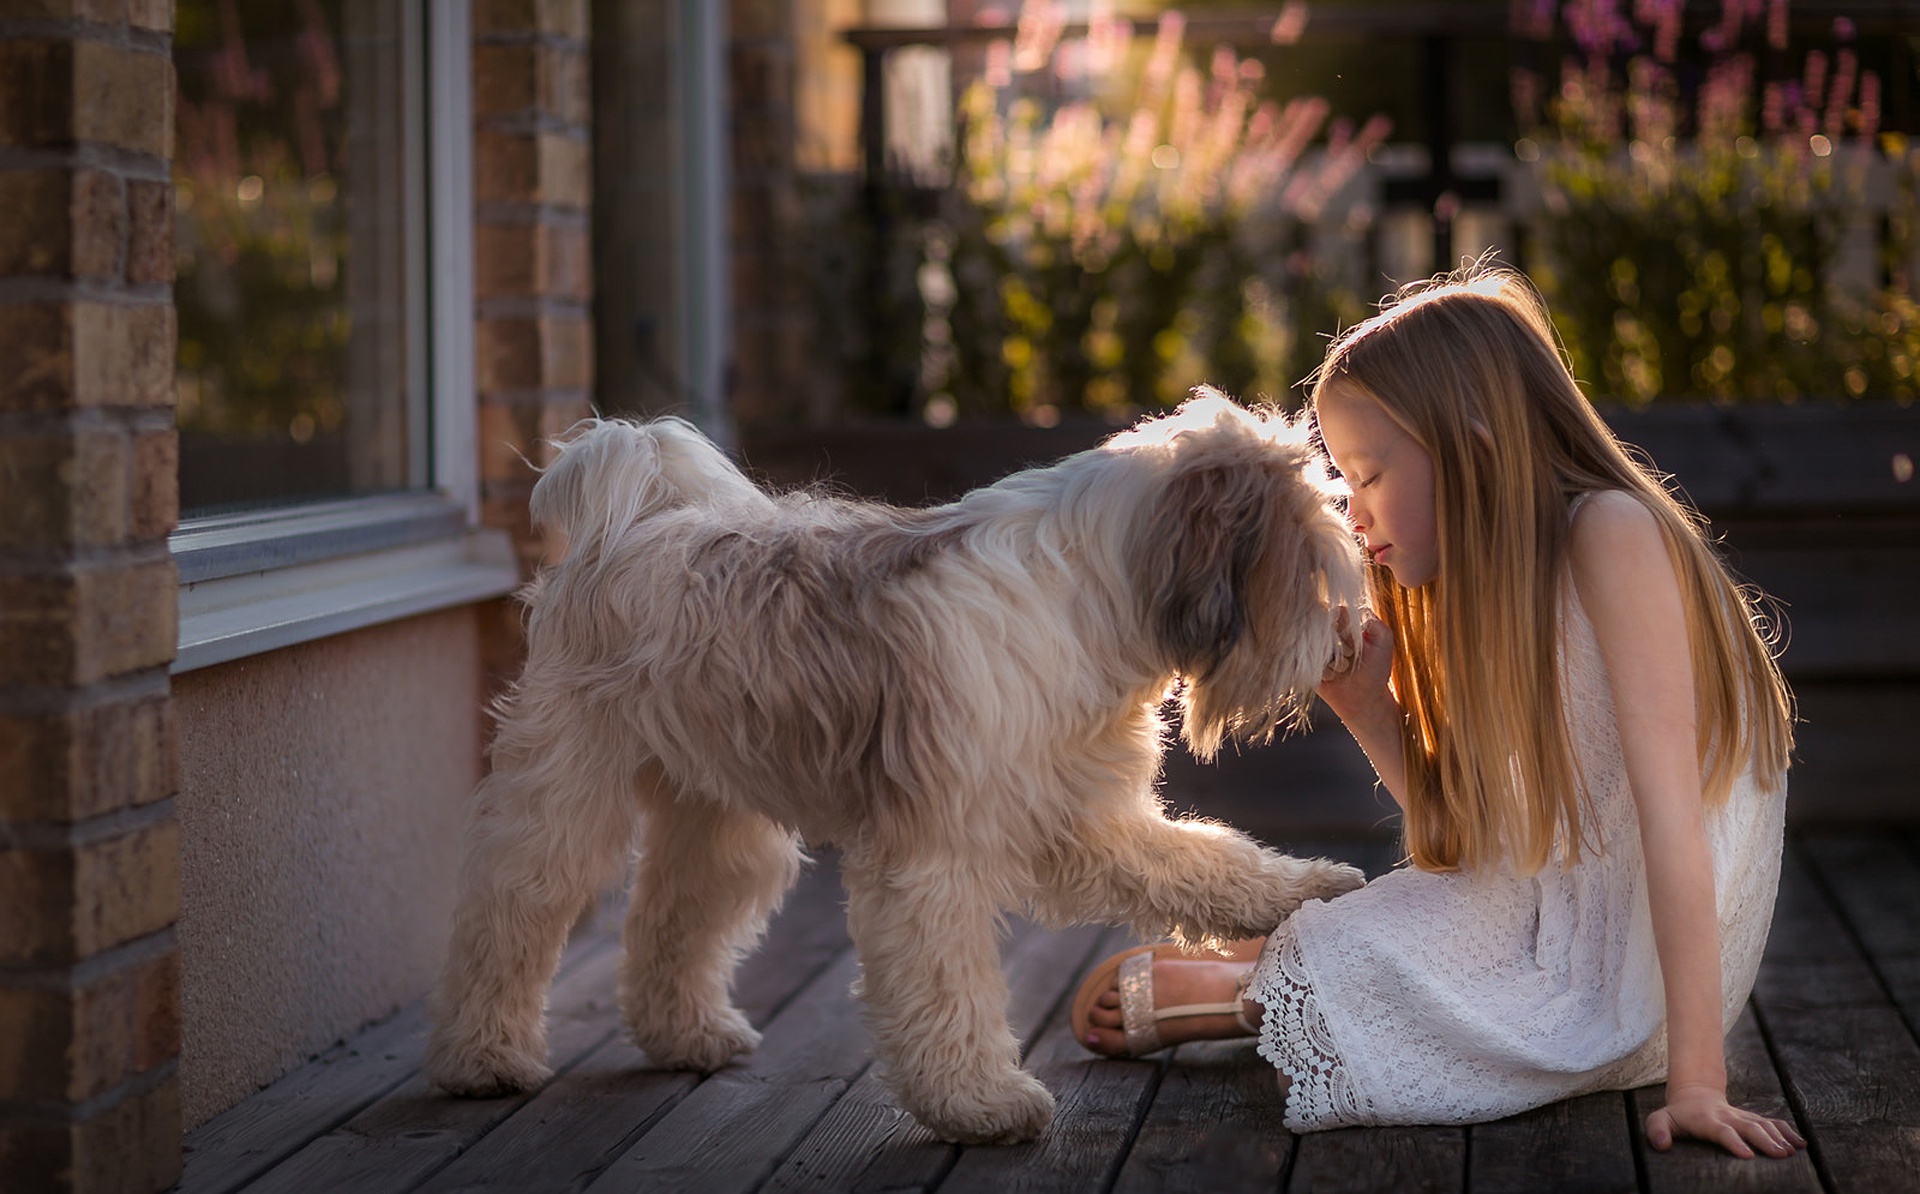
(609, 474)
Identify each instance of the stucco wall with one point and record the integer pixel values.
(322, 791)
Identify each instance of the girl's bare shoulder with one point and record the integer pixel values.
(1615, 545)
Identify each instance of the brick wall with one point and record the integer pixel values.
(89, 850)
(532, 278)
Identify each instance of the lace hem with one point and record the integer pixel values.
(1294, 1037)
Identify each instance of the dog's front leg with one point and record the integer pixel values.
(1197, 880)
(937, 1001)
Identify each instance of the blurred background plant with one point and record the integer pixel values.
(261, 229)
(1705, 192)
(1110, 253)
(1103, 254)
(1702, 204)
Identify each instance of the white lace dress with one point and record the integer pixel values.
(1429, 998)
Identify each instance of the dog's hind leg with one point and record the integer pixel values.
(930, 974)
(1197, 880)
(708, 880)
(541, 845)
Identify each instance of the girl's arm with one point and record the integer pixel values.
(1364, 703)
(1631, 592)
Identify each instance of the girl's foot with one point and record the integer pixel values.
(1210, 987)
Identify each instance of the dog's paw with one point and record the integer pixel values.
(1286, 884)
(1004, 1111)
(1325, 878)
(486, 1072)
(704, 1047)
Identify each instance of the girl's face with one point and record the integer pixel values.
(1390, 477)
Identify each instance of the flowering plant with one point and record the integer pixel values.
(1106, 254)
(1697, 245)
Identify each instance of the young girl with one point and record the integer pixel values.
(1577, 711)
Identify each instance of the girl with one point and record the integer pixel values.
(1577, 711)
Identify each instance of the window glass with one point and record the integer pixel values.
(298, 189)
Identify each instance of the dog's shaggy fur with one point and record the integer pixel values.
(965, 699)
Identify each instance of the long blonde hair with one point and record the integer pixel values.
(1469, 366)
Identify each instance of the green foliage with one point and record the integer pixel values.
(1104, 258)
(1709, 265)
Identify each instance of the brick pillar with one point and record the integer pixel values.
(533, 282)
(532, 279)
(89, 844)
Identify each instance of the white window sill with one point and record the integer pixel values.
(231, 617)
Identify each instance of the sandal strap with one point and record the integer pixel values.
(1142, 1020)
(1198, 1009)
(1136, 1004)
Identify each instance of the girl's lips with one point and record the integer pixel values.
(1379, 554)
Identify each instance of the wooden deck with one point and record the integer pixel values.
(1829, 1039)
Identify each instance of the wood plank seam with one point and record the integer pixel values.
(588, 945)
(1839, 906)
(800, 1139)
(1802, 1115)
(1637, 1141)
(812, 976)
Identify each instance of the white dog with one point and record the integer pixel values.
(965, 699)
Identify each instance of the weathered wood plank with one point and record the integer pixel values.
(571, 1130)
(1810, 963)
(1365, 1160)
(864, 1143)
(409, 1134)
(1849, 1063)
(1856, 1072)
(867, 1143)
(257, 1133)
(1214, 1125)
(1690, 1166)
(1098, 1103)
(1876, 880)
(407, 1137)
(732, 1131)
(1576, 1146)
(803, 938)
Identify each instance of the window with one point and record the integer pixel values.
(299, 192)
(325, 407)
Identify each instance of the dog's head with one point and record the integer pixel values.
(1242, 562)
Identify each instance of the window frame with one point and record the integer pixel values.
(260, 580)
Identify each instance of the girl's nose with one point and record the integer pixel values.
(1356, 515)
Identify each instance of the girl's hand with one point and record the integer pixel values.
(1704, 1114)
(1364, 681)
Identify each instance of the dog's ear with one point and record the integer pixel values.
(1199, 549)
(1247, 558)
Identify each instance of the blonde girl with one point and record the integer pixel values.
(1579, 713)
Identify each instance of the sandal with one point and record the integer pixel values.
(1131, 972)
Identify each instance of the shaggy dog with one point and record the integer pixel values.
(966, 700)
